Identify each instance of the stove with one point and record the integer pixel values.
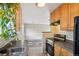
(50, 46)
(59, 37)
(50, 43)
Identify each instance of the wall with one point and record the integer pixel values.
(34, 31)
(55, 29)
(35, 20)
(31, 14)
(47, 35)
(69, 34)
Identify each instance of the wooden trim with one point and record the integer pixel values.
(18, 19)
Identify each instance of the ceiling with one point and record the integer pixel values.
(52, 6)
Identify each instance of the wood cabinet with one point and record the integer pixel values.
(59, 51)
(66, 13)
(73, 11)
(55, 15)
(65, 52)
(64, 16)
(52, 16)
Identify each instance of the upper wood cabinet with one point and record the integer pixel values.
(52, 16)
(64, 16)
(73, 11)
(66, 13)
(55, 15)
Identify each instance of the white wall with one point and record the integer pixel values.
(34, 31)
(35, 21)
(69, 34)
(32, 14)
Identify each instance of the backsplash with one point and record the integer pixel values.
(69, 34)
(47, 34)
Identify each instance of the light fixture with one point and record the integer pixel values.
(40, 4)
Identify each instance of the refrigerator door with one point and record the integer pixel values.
(76, 36)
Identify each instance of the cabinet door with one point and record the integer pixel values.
(64, 16)
(66, 52)
(73, 11)
(52, 16)
(57, 14)
(57, 50)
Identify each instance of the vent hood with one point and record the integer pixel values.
(55, 23)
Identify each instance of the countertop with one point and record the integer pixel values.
(68, 45)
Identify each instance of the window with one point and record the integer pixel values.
(7, 21)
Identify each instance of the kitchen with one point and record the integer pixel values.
(43, 31)
(63, 30)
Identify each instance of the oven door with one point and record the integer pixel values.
(49, 49)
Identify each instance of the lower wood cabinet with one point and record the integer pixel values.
(65, 52)
(59, 51)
